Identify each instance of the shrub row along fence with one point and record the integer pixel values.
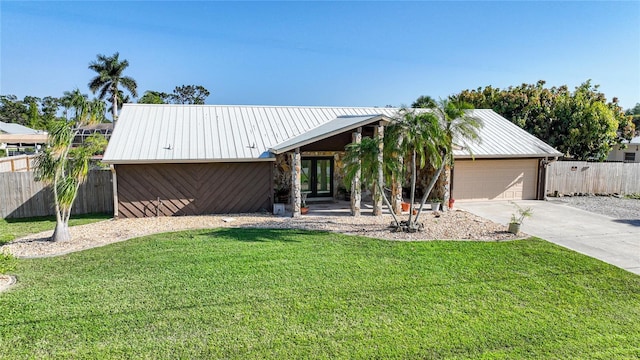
(21, 196)
(581, 177)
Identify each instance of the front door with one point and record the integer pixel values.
(316, 176)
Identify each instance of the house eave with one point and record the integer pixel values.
(186, 161)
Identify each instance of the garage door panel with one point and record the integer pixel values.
(495, 179)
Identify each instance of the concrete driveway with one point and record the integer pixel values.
(616, 242)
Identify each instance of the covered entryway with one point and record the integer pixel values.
(503, 179)
(316, 177)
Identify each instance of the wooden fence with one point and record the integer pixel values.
(17, 163)
(571, 177)
(21, 196)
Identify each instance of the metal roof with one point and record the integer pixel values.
(17, 129)
(149, 133)
(634, 141)
(333, 127)
(501, 138)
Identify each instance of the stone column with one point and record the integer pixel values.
(356, 189)
(296, 198)
(377, 195)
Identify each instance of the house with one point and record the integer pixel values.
(202, 159)
(105, 129)
(630, 154)
(16, 139)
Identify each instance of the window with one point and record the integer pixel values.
(629, 157)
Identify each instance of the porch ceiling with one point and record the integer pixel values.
(328, 135)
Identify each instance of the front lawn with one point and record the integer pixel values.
(11, 229)
(255, 293)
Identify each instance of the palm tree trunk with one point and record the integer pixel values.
(384, 197)
(114, 110)
(429, 188)
(413, 185)
(61, 233)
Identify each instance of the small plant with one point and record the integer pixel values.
(7, 263)
(520, 214)
(635, 196)
(304, 199)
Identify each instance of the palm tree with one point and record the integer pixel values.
(363, 157)
(110, 78)
(421, 139)
(459, 128)
(64, 168)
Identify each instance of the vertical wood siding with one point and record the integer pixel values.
(570, 177)
(21, 196)
(193, 189)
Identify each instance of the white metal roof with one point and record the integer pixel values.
(634, 141)
(16, 129)
(147, 133)
(501, 138)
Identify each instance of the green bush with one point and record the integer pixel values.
(7, 263)
(633, 196)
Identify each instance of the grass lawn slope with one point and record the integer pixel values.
(255, 293)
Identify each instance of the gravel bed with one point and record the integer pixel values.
(615, 207)
(454, 225)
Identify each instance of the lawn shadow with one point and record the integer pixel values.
(632, 222)
(258, 234)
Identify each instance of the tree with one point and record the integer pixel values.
(13, 110)
(363, 158)
(424, 102)
(110, 78)
(65, 168)
(581, 124)
(421, 141)
(189, 94)
(635, 116)
(459, 128)
(153, 97)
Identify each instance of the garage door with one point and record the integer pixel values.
(495, 179)
(193, 189)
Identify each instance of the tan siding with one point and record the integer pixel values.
(495, 179)
(193, 189)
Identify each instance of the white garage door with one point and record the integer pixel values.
(495, 179)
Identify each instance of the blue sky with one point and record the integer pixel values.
(323, 53)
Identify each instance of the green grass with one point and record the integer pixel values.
(243, 293)
(11, 229)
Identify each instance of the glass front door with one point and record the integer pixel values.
(316, 177)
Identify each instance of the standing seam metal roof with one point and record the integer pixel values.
(149, 133)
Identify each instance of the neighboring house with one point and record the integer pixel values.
(16, 139)
(630, 154)
(84, 132)
(202, 159)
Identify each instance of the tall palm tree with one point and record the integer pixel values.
(421, 139)
(110, 78)
(363, 158)
(459, 128)
(63, 167)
